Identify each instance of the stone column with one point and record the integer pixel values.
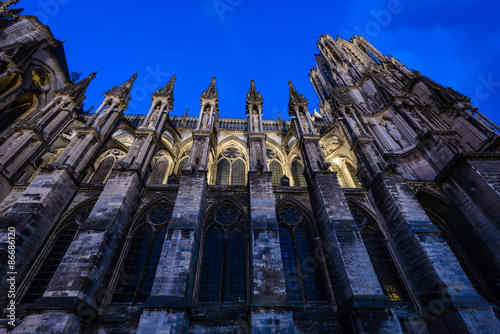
(271, 309)
(444, 291)
(360, 300)
(168, 307)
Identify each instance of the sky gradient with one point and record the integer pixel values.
(456, 43)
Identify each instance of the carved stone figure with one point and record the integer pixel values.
(255, 121)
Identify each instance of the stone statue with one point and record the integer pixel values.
(305, 124)
(204, 120)
(354, 126)
(393, 131)
(255, 122)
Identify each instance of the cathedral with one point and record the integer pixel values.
(378, 213)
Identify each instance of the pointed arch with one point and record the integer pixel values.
(297, 169)
(380, 255)
(140, 256)
(53, 253)
(223, 265)
(105, 164)
(304, 272)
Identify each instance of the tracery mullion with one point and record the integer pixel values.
(299, 266)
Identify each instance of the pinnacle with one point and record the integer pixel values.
(167, 90)
(76, 91)
(295, 97)
(211, 92)
(122, 92)
(253, 95)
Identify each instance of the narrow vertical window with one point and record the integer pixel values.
(101, 173)
(223, 170)
(277, 170)
(49, 266)
(298, 174)
(159, 173)
(238, 173)
(138, 270)
(303, 269)
(212, 266)
(224, 258)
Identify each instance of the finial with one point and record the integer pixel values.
(252, 82)
(134, 76)
(93, 75)
(174, 77)
(290, 83)
(214, 79)
(187, 110)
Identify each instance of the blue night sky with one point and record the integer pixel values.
(456, 43)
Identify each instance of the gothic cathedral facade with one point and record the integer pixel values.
(377, 214)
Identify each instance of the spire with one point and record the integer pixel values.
(167, 91)
(122, 92)
(8, 14)
(76, 91)
(186, 114)
(211, 92)
(295, 97)
(253, 95)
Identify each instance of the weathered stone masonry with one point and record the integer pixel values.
(377, 214)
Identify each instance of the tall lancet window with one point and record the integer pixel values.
(106, 163)
(159, 173)
(298, 173)
(52, 256)
(224, 257)
(304, 275)
(231, 168)
(183, 163)
(275, 166)
(143, 251)
(383, 263)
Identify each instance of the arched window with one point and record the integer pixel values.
(335, 168)
(103, 171)
(160, 169)
(58, 248)
(298, 173)
(231, 168)
(303, 269)
(275, 167)
(383, 263)
(224, 254)
(138, 270)
(353, 173)
(223, 172)
(184, 159)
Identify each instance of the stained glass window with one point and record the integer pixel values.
(182, 166)
(277, 170)
(303, 269)
(224, 259)
(101, 173)
(335, 168)
(238, 173)
(290, 265)
(223, 168)
(309, 265)
(211, 273)
(159, 173)
(385, 268)
(234, 289)
(298, 174)
(49, 266)
(138, 270)
(231, 168)
(353, 172)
